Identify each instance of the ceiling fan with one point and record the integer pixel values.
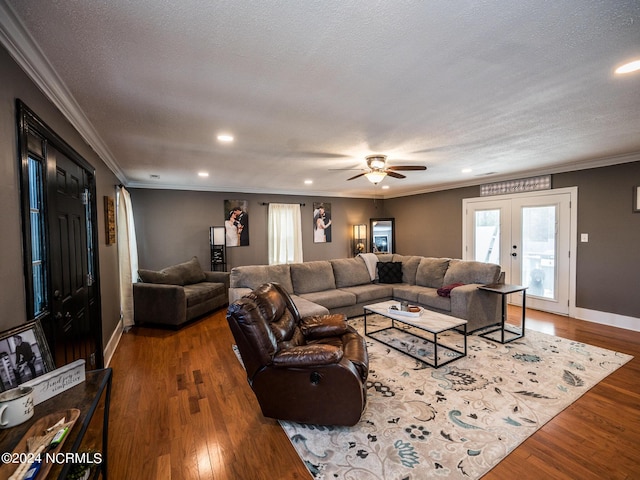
(378, 169)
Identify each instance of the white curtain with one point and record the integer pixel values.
(285, 233)
(127, 256)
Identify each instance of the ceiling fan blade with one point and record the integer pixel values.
(394, 174)
(356, 176)
(407, 167)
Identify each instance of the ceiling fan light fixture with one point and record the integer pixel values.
(375, 176)
(377, 161)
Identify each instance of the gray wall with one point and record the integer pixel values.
(172, 226)
(14, 83)
(607, 267)
(430, 224)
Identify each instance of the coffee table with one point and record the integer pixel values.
(403, 324)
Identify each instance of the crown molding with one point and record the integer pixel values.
(29, 56)
(549, 170)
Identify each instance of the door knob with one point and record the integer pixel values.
(57, 294)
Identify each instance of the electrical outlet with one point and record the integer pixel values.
(584, 237)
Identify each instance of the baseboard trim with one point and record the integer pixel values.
(112, 344)
(610, 319)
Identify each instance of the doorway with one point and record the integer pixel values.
(532, 237)
(60, 243)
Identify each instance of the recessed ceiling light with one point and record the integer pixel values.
(225, 137)
(308, 182)
(628, 67)
(385, 187)
(467, 170)
(203, 174)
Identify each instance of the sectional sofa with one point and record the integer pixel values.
(346, 285)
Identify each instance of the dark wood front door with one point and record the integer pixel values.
(61, 263)
(71, 280)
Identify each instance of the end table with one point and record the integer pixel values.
(505, 289)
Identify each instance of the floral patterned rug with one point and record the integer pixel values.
(458, 421)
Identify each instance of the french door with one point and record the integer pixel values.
(530, 236)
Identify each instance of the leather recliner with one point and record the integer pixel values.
(308, 370)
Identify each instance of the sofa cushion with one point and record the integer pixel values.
(430, 298)
(190, 272)
(409, 267)
(310, 277)
(431, 272)
(465, 271)
(350, 271)
(407, 292)
(252, 276)
(203, 291)
(333, 298)
(307, 308)
(389, 272)
(152, 276)
(372, 292)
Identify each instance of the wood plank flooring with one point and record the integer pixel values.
(182, 409)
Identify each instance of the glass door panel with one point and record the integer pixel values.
(487, 237)
(539, 232)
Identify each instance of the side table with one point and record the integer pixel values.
(89, 396)
(514, 332)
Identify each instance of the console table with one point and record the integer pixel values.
(89, 396)
(505, 289)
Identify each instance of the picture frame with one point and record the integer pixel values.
(236, 223)
(18, 363)
(636, 199)
(381, 243)
(322, 222)
(110, 220)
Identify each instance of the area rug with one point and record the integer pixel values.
(458, 421)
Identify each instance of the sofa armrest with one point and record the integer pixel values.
(322, 326)
(476, 306)
(308, 356)
(218, 277)
(159, 303)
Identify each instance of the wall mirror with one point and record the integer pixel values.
(382, 235)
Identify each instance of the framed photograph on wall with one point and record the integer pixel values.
(236, 223)
(321, 222)
(24, 354)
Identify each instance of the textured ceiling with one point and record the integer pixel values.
(507, 89)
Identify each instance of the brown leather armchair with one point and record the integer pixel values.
(308, 370)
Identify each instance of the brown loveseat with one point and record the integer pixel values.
(307, 370)
(179, 293)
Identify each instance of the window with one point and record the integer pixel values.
(285, 233)
(38, 237)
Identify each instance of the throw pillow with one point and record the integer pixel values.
(446, 290)
(151, 276)
(389, 272)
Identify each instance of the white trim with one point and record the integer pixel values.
(112, 344)
(606, 318)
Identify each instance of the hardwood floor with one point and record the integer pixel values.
(182, 409)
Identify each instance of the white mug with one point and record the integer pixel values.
(16, 406)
